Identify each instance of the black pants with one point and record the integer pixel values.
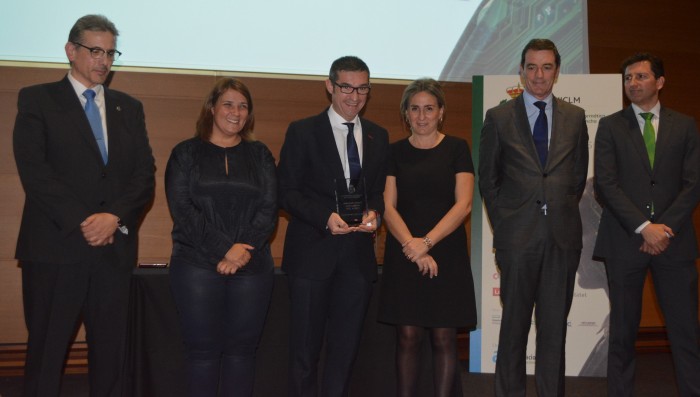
(222, 318)
(676, 286)
(55, 295)
(332, 310)
(541, 278)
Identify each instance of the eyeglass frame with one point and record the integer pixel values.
(353, 89)
(111, 54)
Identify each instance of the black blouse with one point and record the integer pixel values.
(212, 210)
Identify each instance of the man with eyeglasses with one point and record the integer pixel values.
(329, 259)
(88, 174)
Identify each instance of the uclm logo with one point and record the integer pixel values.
(496, 291)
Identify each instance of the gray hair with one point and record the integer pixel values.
(94, 23)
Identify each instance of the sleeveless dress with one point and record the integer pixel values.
(425, 182)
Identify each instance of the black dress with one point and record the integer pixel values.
(425, 182)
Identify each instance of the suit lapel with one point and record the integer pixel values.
(67, 99)
(556, 150)
(113, 112)
(367, 146)
(522, 128)
(326, 141)
(663, 136)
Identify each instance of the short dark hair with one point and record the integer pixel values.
(205, 122)
(347, 63)
(428, 85)
(657, 65)
(540, 45)
(91, 22)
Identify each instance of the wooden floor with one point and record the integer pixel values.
(655, 378)
(12, 360)
(650, 340)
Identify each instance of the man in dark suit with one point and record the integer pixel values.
(533, 162)
(649, 185)
(88, 178)
(330, 264)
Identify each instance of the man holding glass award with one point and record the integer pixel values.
(331, 179)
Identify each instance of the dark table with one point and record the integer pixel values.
(155, 353)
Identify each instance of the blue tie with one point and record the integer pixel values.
(539, 133)
(353, 154)
(93, 116)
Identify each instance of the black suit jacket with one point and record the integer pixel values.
(309, 163)
(626, 185)
(65, 180)
(514, 184)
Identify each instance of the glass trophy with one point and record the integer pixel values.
(351, 199)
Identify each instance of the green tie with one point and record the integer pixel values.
(649, 136)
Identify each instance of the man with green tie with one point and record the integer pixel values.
(647, 177)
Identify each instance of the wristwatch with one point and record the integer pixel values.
(123, 229)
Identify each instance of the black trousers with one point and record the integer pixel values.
(334, 308)
(55, 296)
(542, 278)
(676, 286)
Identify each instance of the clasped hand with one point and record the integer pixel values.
(236, 257)
(336, 224)
(657, 238)
(416, 251)
(98, 229)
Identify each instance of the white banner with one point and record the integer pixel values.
(586, 348)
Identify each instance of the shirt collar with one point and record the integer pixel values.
(337, 120)
(80, 88)
(656, 110)
(530, 101)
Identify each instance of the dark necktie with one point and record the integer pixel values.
(649, 136)
(353, 154)
(539, 133)
(93, 116)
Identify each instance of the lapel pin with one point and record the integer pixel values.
(119, 108)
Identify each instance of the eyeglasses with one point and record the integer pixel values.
(97, 52)
(348, 89)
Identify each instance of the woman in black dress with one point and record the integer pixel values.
(221, 190)
(427, 285)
